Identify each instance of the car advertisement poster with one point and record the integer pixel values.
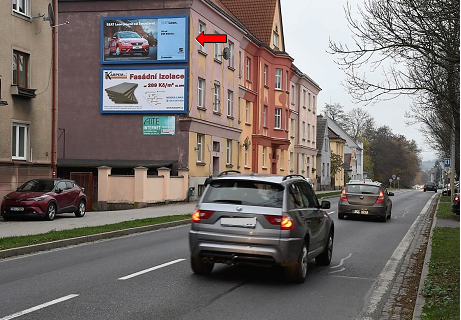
(144, 90)
(156, 39)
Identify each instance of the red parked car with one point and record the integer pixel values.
(45, 198)
(128, 42)
(455, 204)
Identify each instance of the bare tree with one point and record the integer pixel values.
(358, 122)
(335, 112)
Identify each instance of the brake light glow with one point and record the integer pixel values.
(201, 214)
(380, 197)
(285, 222)
(343, 195)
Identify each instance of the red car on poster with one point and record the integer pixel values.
(128, 42)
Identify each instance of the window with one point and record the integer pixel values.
(276, 37)
(309, 101)
(302, 163)
(240, 64)
(292, 129)
(199, 148)
(278, 118)
(308, 163)
(291, 161)
(22, 7)
(326, 144)
(281, 159)
(200, 93)
(20, 69)
(230, 102)
(286, 80)
(304, 98)
(265, 116)
(201, 28)
(19, 141)
(231, 54)
(278, 78)
(313, 133)
(248, 68)
(216, 146)
(247, 111)
(304, 130)
(229, 152)
(292, 94)
(265, 74)
(216, 98)
(286, 119)
(217, 50)
(246, 157)
(308, 131)
(264, 156)
(313, 103)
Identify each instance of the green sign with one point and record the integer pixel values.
(158, 125)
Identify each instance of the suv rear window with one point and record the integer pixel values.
(250, 193)
(362, 188)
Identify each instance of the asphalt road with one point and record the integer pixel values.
(147, 276)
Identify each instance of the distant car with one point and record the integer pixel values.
(455, 204)
(430, 186)
(128, 42)
(45, 198)
(365, 198)
(262, 220)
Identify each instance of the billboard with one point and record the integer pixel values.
(144, 90)
(153, 39)
(158, 125)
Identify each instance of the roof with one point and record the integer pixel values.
(257, 16)
(114, 163)
(321, 124)
(270, 178)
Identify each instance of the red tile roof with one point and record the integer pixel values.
(256, 15)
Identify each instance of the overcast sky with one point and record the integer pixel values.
(307, 27)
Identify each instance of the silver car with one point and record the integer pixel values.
(261, 220)
(365, 198)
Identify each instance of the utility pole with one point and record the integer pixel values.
(452, 160)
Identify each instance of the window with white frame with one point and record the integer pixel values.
(265, 74)
(246, 157)
(278, 118)
(199, 148)
(229, 152)
(230, 102)
(247, 111)
(265, 116)
(201, 28)
(216, 97)
(217, 50)
(19, 141)
(200, 93)
(21, 7)
(278, 78)
(20, 69)
(276, 37)
(264, 156)
(248, 68)
(231, 54)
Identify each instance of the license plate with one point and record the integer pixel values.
(360, 211)
(239, 222)
(17, 209)
(137, 47)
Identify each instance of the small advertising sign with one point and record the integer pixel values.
(156, 39)
(161, 125)
(147, 90)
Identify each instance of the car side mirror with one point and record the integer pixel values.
(59, 190)
(325, 204)
(390, 193)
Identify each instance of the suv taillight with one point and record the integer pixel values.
(380, 197)
(343, 195)
(285, 222)
(456, 199)
(201, 214)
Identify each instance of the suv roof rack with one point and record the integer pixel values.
(293, 175)
(225, 173)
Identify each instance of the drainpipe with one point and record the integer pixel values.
(54, 102)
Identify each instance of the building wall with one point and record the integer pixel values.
(31, 36)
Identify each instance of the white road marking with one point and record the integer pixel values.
(342, 269)
(149, 270)
(41, 306)
(342, 261)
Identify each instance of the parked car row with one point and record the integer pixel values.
(45, 198)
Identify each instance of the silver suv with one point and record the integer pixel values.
(261, 220)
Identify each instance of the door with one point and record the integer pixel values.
(215, 166)
(85, 180)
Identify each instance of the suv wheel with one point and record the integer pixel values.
(50, 211)
(324, 258)
(81, 209)
(297, 273)
(340, 216)
(199, 266)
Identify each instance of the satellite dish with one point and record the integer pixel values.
(50, 17)
(226, 53)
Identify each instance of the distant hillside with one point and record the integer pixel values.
(425, 165)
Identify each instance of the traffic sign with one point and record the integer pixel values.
(447, 162)
(394, 176)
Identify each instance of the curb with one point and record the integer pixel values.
(90, 238)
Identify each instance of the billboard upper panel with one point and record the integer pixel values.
(152, 39)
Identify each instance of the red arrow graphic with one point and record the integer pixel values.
(203, 38)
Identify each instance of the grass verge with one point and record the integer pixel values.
(328, 194)
(22, 241)
(441, 288)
